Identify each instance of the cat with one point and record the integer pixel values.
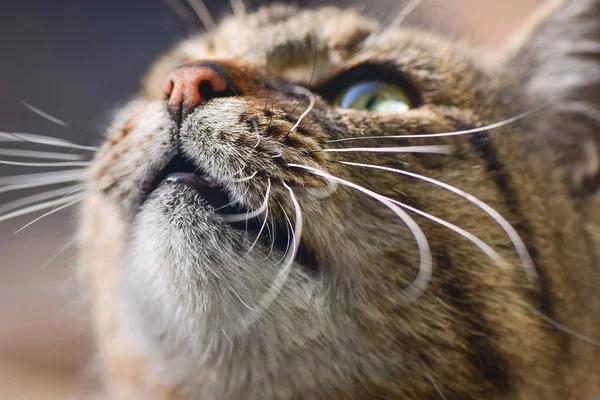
(307, 203)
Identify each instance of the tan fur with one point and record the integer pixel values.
(168, 328)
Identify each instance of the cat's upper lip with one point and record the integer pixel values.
(178, 171)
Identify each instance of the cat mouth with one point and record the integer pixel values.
(181, 172)
(276, 236)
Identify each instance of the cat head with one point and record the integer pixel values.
(323, 202)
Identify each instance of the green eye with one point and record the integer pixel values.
(375, 96)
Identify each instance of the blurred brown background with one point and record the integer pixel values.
(77, 60)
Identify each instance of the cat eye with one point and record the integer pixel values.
(375, 96)
(376, 88)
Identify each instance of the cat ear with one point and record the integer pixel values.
(557, 61)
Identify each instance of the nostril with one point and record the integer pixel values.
(192, 84)
(206, 90)
(169, 89)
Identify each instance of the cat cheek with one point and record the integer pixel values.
(125, 130)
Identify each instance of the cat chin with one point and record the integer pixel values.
(190, 258)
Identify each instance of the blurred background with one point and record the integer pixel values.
(77, 60)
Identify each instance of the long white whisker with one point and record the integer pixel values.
(445, 134)
(264, 221)
(311, 98)
(416, 288)
(47, 182)
(239, 171)
(47, 164)
(45, 140)
(244, 303)
(238, 7)
(179, 9)
(58, 254)
(203, 14)
(247, 216)
(271, 232)
(54, 210)
(73, 174)
(256, 131)
(39, 154)
(289, 232)
(232, 202)
(267, 299)
(44, 115)
(244, 179)
(558, 326)
(435, 149)
(32, 199)
(39, 207)
(521, 249)
(405, 13)
(483, 246)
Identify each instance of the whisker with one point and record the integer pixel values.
(39, 154)
(32, 199)
(435, 149)
(435, 386)
(271, 233)
(311, 98)
(203, 14)
(227, 337)
(47, 182)
(247, 216)
(421, 282)
(558, 326)
(267, 299)
(232, 202)
(44, 140)
(179, 9)
(54, 210)
(57, 254)
(39, 207)
(445, 134)
(519, 245)
(244, 303)
(44, 115)
(255, 126)
(288, 231)
(244, 179)
(57, 121)
(262, 228)
(47, 164)
(238, 7)
(312, 75)
(404, 14)
(483, 246)
(76, 174)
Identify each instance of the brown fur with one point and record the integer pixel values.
(347, 332)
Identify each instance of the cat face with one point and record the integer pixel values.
(305, 202)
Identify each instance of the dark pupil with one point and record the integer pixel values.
(371, 102)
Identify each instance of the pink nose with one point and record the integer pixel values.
(190, 85)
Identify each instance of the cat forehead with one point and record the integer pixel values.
(279, 37)
(282, 35)
(312, 46)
